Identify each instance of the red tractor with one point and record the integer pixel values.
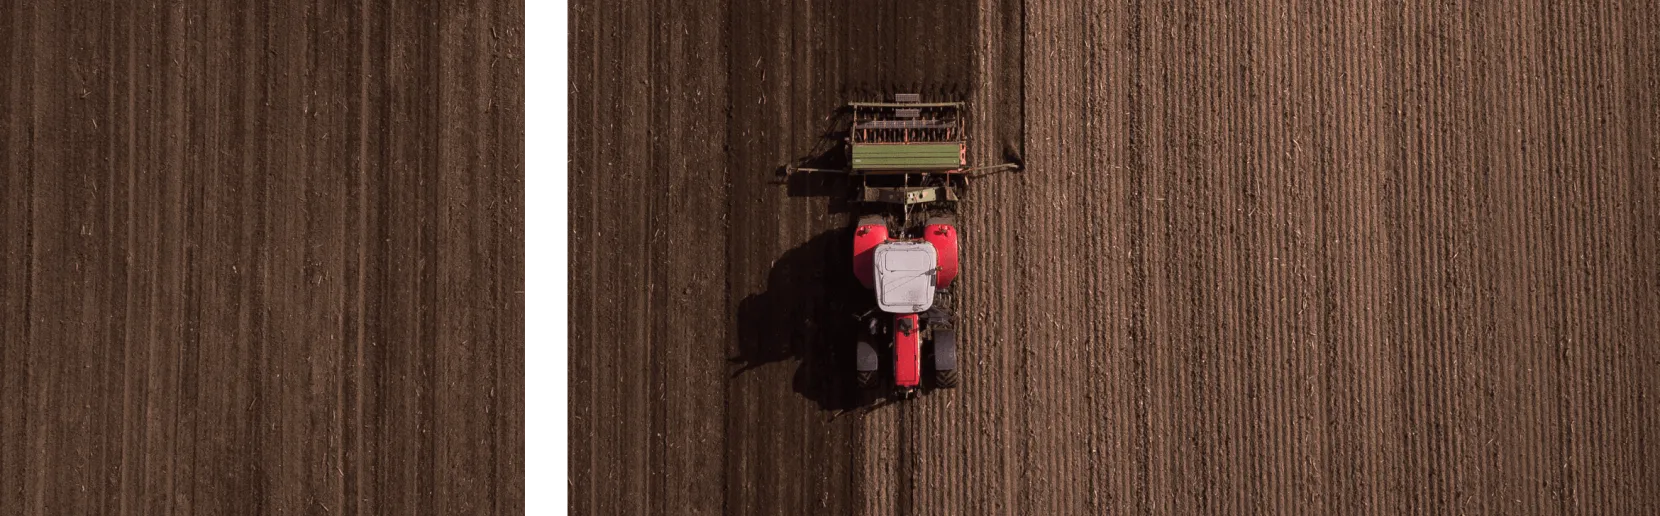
(908, 163)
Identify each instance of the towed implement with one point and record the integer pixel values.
(908, 161)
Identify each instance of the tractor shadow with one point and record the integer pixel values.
(808, 314)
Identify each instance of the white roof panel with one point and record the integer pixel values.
(905, 276)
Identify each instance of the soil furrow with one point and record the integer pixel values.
(1283, 256)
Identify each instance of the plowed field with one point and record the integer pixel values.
(261, 258)
(1267, 257)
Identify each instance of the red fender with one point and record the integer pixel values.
(865, 239)
(907, 350)
(944, 239)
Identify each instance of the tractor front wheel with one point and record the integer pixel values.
(867, 380)
(946, 379)
(868, 362)
(945, 359)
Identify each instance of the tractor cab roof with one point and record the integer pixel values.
(905, 276)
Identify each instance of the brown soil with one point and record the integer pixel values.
(1266, 258)
(261, 260)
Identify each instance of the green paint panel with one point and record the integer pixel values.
(922, 156)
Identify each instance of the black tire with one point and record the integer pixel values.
(944, 218)
(867, 360)
(867, 380)
(945, 379)
(945, 359)
(875, 220)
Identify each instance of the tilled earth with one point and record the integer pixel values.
(1303, 257)
(261, 258)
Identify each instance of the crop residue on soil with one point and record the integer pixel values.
(1267, 257)
(261, 259)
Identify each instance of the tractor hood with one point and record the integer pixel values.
(905, 276)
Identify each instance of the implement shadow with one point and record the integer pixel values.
(822, 172)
